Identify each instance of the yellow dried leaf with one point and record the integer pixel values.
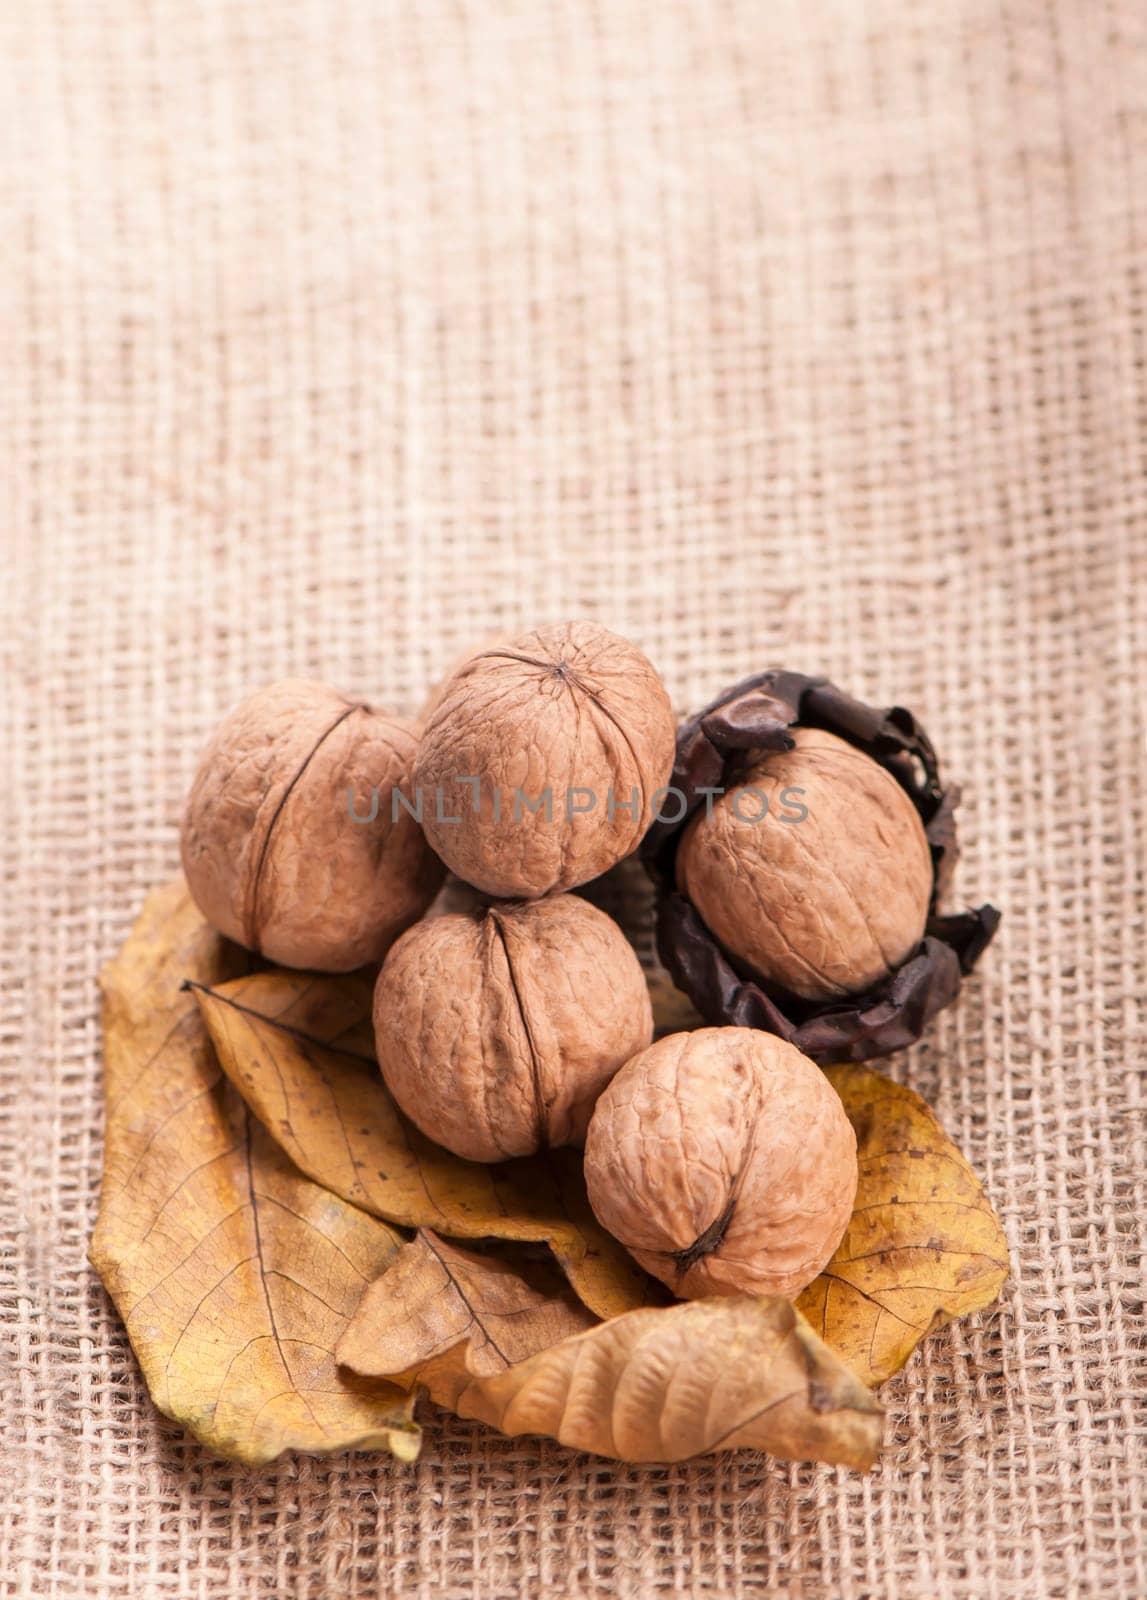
(451, 1313)
(234, 1274)
(657, 1385)
(298, 1047)
(924, 1245)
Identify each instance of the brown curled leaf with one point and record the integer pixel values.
(924, 1245)
(299, 1048)
(234, 1274)
(890, 1017)
(658, 1385)
(452, 1313)
(757, 714)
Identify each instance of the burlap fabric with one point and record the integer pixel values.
(337, 333)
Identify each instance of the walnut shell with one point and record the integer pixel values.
(497, 1030)
(569, 709)
(272, 855)
(437, 691)
(723, 1161)
(823, 905)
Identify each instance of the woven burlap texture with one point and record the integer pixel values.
(340, 333)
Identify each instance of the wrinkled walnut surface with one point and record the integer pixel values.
(496, 1031)
(724, 1162)
(271, 854)
(758, 714)
(567, 706)
(824, 906)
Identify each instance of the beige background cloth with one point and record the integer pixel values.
(340, 333)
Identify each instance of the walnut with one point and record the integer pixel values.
(730, 981)
(541, 759)
(497, 1030)
(438, 688)
(827, 890)
(272, 853)
(724, 1162)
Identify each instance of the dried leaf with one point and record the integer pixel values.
(656, 1385)
(234, 1275)
(452, 1313)
(923, 1246)
(298, 1047)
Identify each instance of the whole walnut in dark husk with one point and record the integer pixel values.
(272, 853)
(803, 898)
(541, 759)
(496, 1030)
(822, 896)
(724, 1162)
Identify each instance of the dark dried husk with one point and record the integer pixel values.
(754, 715)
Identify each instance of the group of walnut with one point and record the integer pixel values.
(721, 1157)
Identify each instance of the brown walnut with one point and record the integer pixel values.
(569, 710)
(715, 745)
(497, 1030)
(724, 1162)
(824, 903)
(271, 852)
